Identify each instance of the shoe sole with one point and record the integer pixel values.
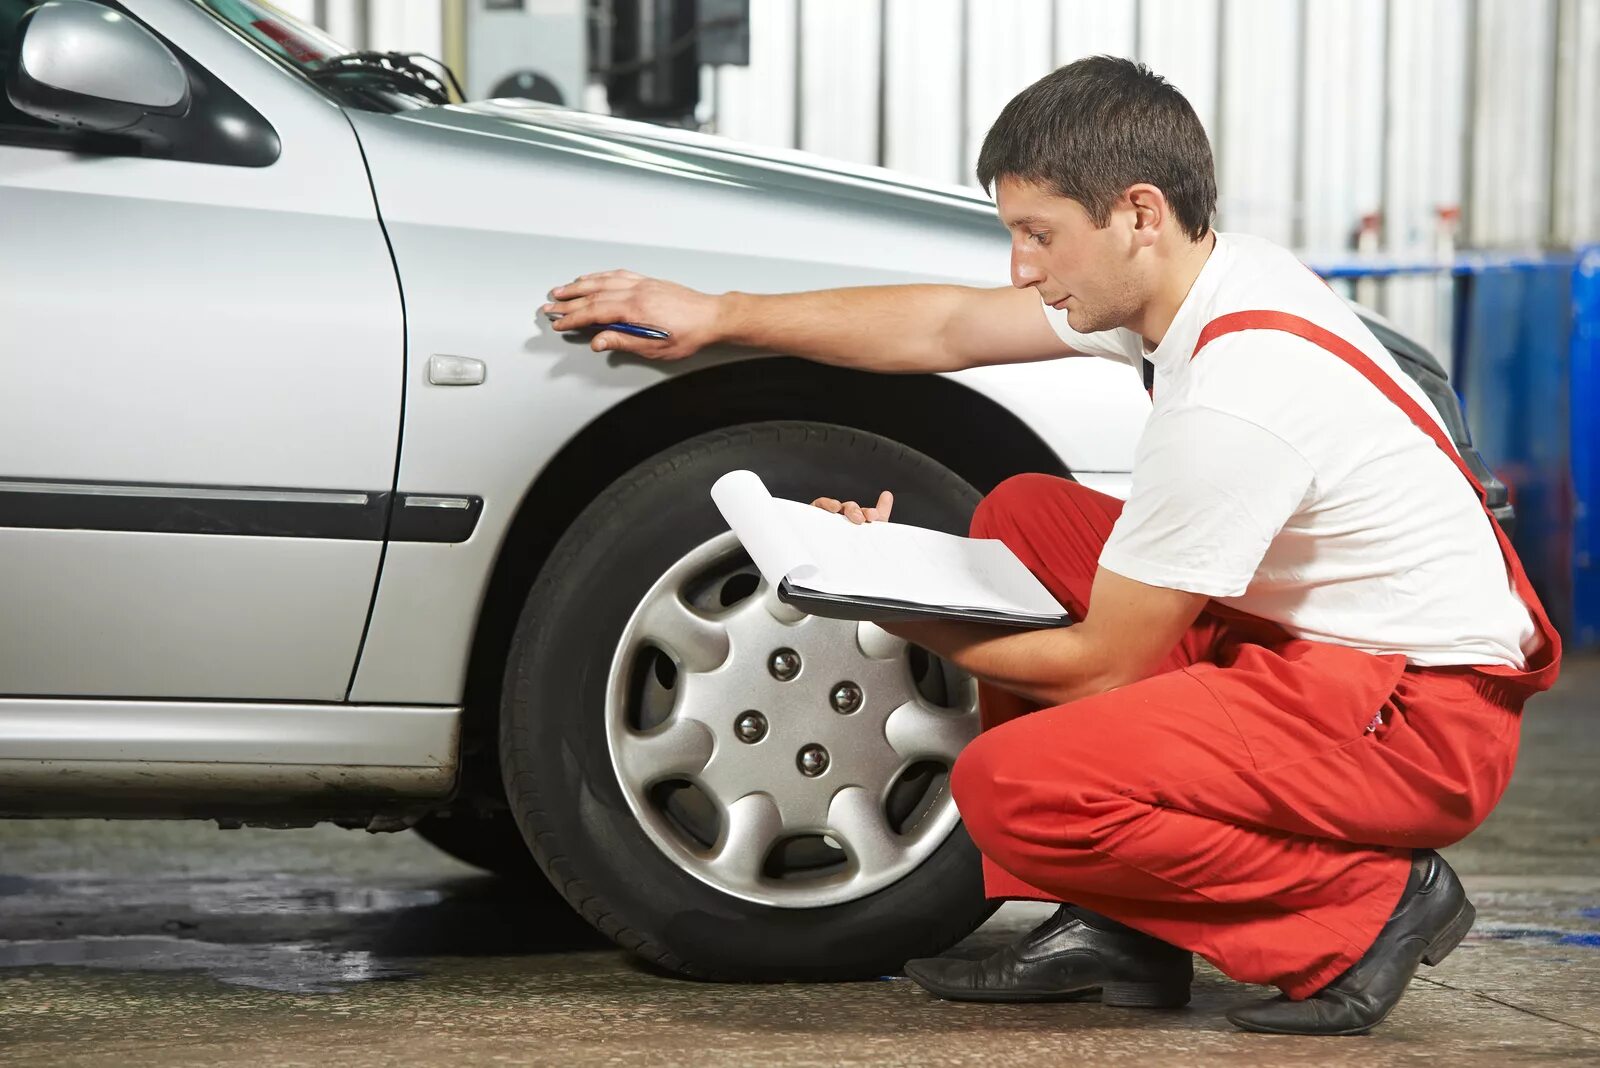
(1448, 939)
(1116, 995)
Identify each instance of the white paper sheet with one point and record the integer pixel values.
(825, 552)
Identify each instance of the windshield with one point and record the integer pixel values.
(371, 81)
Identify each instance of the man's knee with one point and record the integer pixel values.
(1012, 501)
(973, 786)
(1008, 801)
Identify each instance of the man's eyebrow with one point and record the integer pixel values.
(1026, 220)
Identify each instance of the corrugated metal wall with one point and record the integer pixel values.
(397, 25)
(1576, 204)
(1323, 113)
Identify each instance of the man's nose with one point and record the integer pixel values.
(1024, 273)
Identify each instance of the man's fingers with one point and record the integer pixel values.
(849, 509)
(581, 286)
(557, 308)
(577, 314)
(647, 347)
(585, 284)
(878, 513)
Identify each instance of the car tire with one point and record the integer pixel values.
(563, 783)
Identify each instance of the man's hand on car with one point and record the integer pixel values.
(878, 513)
(625, 297)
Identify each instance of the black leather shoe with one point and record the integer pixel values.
(1071, 956)
(1430, 921)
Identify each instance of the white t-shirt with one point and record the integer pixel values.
(1273, 477)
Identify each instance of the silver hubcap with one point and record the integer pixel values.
(782, 758)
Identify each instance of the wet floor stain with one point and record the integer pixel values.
(279, 932)
(294, 969)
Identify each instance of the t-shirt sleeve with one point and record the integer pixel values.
(1210, 492)
(1119, 345)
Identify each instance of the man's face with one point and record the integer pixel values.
(1089, 271)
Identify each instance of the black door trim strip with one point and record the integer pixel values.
(247, 511)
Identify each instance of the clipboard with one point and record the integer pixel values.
(884, 610)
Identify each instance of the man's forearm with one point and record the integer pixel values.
(1049, 666)
(894, 329)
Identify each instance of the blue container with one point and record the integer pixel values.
(1515, 378)
(1585, 363)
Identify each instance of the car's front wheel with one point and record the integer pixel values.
(720, 783)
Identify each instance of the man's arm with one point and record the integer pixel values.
(904, 329)
(1129, 628)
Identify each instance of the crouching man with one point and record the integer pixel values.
(1304, 644)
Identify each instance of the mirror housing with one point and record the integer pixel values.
(84, 66)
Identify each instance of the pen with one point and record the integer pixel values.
(636, 330)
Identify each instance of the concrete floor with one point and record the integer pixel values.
(178, 944)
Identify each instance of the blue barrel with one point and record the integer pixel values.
(1585, 361)
(1515, 376)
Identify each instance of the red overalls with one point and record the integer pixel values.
(1256, 800)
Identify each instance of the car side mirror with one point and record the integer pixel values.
(84, 66)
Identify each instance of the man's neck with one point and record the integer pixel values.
(1176, 281)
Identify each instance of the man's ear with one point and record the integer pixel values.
(1150, 214)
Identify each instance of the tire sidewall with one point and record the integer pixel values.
(560, 776)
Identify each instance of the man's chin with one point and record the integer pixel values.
(1084, 322)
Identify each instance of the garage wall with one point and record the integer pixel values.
(1407, 126)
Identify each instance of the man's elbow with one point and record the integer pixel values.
(1104, 681)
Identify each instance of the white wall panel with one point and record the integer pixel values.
(1512, 123)
(1008, 49)
(1427, 125)
(1427, 122)
(304, 10)
(1576, 216)
(1178, 40)
(922, 106)
(406, 26)
(1343, 159)
(1256, 150)
(839, 78)
(343, 21)
(1383, 123)
(756, 103)
(1095, 27)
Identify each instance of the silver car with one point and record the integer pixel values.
(303, 517)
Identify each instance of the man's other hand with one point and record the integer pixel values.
(625, 297)
(878, 513)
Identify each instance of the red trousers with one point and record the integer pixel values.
(1256, 800)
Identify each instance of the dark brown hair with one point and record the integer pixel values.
(1093, 128)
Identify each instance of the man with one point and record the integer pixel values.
(1303, 645)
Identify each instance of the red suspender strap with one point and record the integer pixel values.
(1545, 662)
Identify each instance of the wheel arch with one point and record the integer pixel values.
(917, 410)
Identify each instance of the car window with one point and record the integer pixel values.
(276, 32)
(371, 81)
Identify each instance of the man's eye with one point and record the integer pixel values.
(1038, 238)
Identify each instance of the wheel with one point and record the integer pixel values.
(722, 784)
(492, 843)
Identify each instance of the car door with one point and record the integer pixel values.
(201, 369)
